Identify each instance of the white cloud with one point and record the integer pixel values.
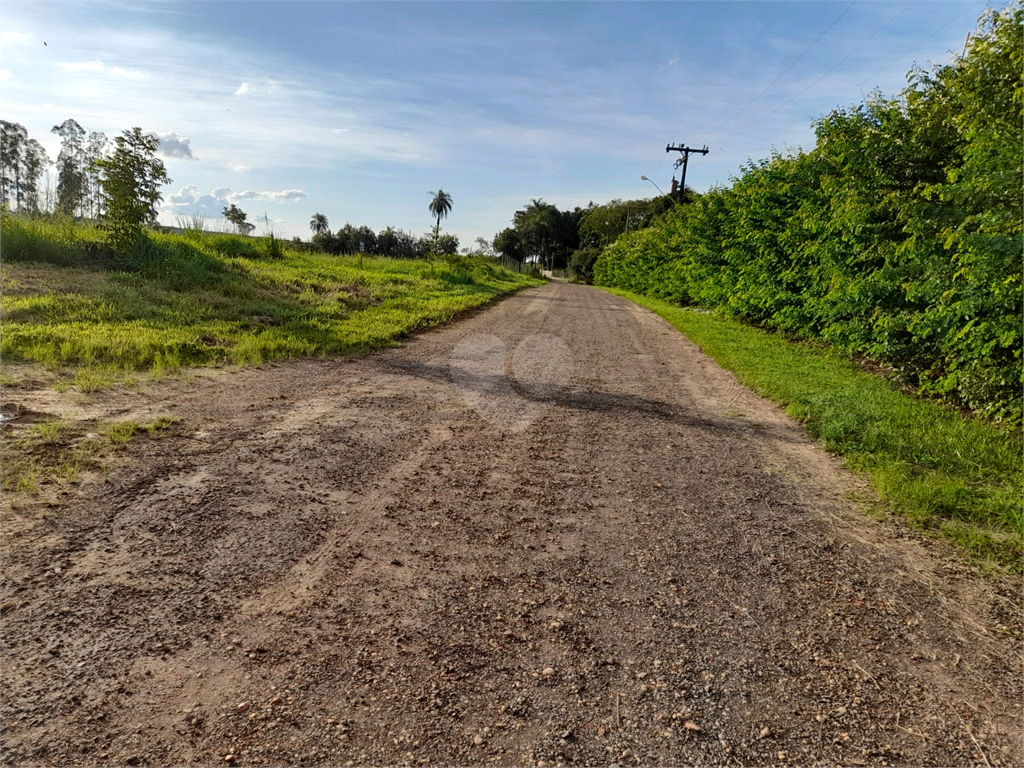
(185, 196)
(262, 86)
(98, 66)
(274, 197)
(5, 74)
(173, 145)
(236, 167)
(9, 36)
(77, 66)
(190, 195)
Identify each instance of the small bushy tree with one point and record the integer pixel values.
(238, 217)
(446, 245)
(131, 179)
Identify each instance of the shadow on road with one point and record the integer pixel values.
(603, 402)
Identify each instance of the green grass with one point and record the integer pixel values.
(201, 299)
(120, 433)
(47, 431)
(954, 476)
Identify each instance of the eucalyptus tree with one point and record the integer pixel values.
(13, 138)
(92, 191)
(439, 207)
(71, 179)
(22, 160)
(36, 160)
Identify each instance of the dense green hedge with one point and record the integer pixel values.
(897, 237)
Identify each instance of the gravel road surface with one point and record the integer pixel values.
(550, 533)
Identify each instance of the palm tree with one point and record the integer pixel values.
(439, 207)
(539, 225)
(318, 224)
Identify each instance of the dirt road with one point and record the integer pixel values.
(550, 533)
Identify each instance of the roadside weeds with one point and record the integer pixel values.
(43, 455)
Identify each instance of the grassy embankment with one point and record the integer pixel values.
(92, 319)
(951, 475)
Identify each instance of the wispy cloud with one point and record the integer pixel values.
(496, 103)
(98, 66)
(10, 36)
(285, 195)
(260, 86)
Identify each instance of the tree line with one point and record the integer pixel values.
(118, 182)
(84, 162)
(389, 242)
(540, 232)
(897, 237)
(27, 184)
(572, 240)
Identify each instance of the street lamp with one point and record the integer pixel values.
(674, 201)
(644, 178)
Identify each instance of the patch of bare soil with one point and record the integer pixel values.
(344, 563)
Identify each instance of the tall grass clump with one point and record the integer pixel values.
(56, 240)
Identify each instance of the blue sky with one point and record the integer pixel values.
(357, 111)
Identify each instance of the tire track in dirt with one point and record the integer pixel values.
(339, 562)
(289, 593)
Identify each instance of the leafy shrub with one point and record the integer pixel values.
(897, 237)
(446, 245)
(581, 264)
(131, 179)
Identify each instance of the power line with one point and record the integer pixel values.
(822, 76)
(909, 51)
(795, 62)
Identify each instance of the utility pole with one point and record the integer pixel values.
(686, 152)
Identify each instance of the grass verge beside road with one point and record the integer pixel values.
(93, 318)
(951, 475)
